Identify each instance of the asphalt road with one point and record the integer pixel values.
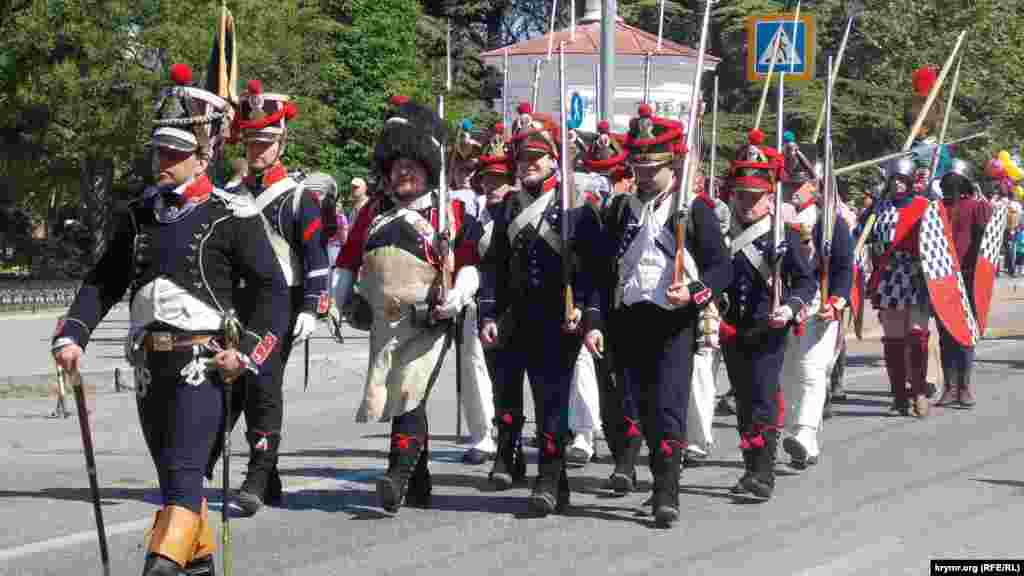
(889, 494)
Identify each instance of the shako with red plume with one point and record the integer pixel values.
(188, 119)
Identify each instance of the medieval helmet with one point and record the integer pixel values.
(188, 119)
(264, 116)
(902, 167)
(957, 182)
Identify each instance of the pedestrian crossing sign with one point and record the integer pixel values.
(796, 46)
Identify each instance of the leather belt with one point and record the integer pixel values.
(169, 341)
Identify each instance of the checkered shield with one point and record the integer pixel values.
(942, 274)
(987, 265)
(861, 270)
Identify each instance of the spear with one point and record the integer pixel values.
(854, 9)
(714, 141)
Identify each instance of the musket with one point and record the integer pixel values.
(568, 189)
(854, 9)
(597, 91)
(232, 339)
(681, 195)
(443, 237)
(777, 217)
(506, 120)
(771, 66)
(90, 464)
(714, 142)
(647, 79)
(538, 64)
(883, 159)
(829, 190)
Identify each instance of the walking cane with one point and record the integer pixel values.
(90, 465)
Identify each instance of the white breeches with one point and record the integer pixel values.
(477, 390)
(805, 373)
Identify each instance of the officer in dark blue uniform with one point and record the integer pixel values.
(753, 332)
(178, 250)
(292, 215)
(523, 298)
(654, 317)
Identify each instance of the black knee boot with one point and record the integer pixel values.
(403, 459)
(761, 482)
(509, 462)
(666, 463)
(551, 489)
(420, 486)
(262, 483)
(748, 469)
(623, 479)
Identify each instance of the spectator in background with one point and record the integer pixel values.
(359, 197)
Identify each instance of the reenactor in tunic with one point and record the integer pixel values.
(291, 217)
(653, 319)
(524, 304)
(177, 251)
(754, 330)
(400, 247)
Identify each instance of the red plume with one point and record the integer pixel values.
(398, 100)
(645, 110)
(181, 74)
(290, 111)
(755, 137)
(254, 87)
(924, 79)
(602, 126)
(499, 128)
(525, 108)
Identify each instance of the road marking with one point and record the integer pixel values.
(343, 480)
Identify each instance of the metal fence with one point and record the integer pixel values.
(35, 295)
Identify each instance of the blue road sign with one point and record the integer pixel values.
(575, 118)
(796, 51)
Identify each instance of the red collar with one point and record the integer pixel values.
(267, 178)
(807, 204)
(198, 191)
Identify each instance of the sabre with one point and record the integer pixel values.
(232, 338)
(777, 232)
(90, 465)
(504, 98)
(305, 377)
(568, 190)
(647, 78)
(681, 195)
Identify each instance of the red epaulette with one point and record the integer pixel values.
(707, 199)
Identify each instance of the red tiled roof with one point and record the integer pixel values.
(628, 41)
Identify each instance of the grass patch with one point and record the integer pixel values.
(24, 391)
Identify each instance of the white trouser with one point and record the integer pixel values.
(584, 401)
(477, 390)
(700, 414)
(805, 378)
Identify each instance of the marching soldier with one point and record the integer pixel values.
(812, 350)
(524, 300)
(177, 250)
(397, 244)
(291, 213)
(753, 330)
(654, 319)
(969, 218)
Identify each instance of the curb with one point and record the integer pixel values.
(117, 379)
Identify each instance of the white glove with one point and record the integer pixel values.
(467, 282)
(342, 287)
(305, 325)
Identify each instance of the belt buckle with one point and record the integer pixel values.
(162, 341)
